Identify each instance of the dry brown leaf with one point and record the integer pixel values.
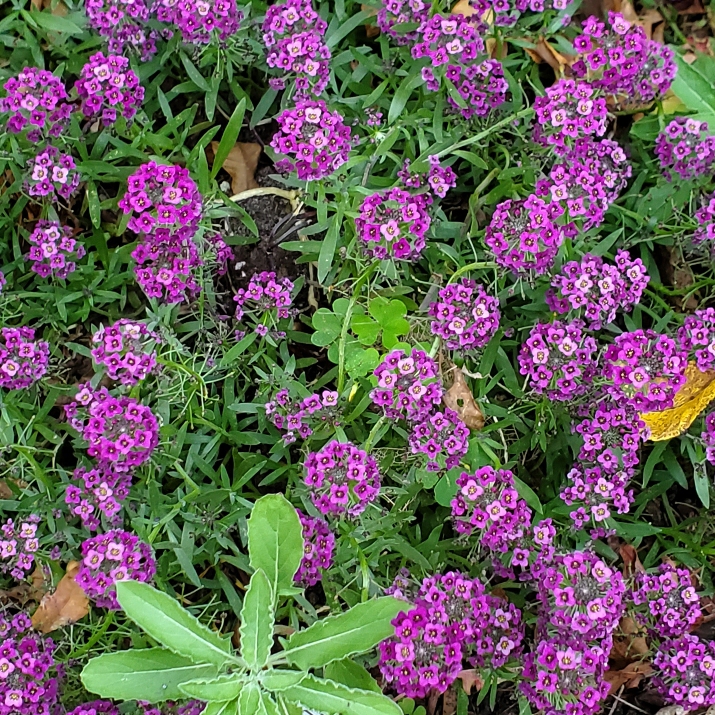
(463, 7)
(469, 679)
(630, 645)
(449, 702)
(460, 399)
(58, 8)
(5, 491)
(695, 8)
(65, 606)
(372, 30)
(631, 562)
(690, 400)
(628, 677)
(240, 165)
(544, 52)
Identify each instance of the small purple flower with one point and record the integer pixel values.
(23, 360)
(54, 250)
(318, 550)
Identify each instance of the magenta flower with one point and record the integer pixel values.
(54, 250)
(23, 360)
(318, 549)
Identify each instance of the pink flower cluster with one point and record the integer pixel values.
(618, 59)
(595, 291)
(645, 369)
(119, 430)
(708, 437)
(18, 546)
(408, 386)
(314, 141)
(199, 21)
(671, 606)
(302, 417)
(123, 23)
(23, 360)
(402, 12)
(705, 233)
(393, 224)
(685, 672)
(96, 491)
(342, 479)
(54, 250)
(465, 316)
(35, 102)
(52, 174)
(559, 360)
(487, 504)
(95, 707)
(456, 53)
(438, 179)
(126, 350)
(523, 235)
(28, 670)
(442, 438)
(109, 89)
(505, 12)
(318, 549)
(293, 33)
(686, 148)
(114, 556)
(697, 337)
(265, 295)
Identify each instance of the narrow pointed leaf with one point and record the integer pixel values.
(221, 707)
(275, 680)
(267, 706)
(328, 697)
(223, 688)
(164, 619)
(355, 631)
(275, 540)
(153, 674)
(257, 621)
(250, 699)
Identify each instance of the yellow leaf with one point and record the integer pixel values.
(690, 400)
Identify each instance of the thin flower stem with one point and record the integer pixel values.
(479, 265)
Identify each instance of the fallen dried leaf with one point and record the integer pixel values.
(631, 562)
(469, 679)
(240, 165)
(630, 645)
(57, 8)
(449, 702)
(65, 606)
(460, 399)
(695, 8)
(628, 677)
(464, 7)
(5, 491)
(690, 400)
(544, 52)
(372, 30)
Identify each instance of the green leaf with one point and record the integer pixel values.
(153, 674)
(274, 680)
(194, 75)
(403, 94)
(257, 621)
(225, 687)
(275, 540)
(365, 328)
(328, 697)
(221, 707)
(229, 137)
(55, 23)
(702, 484)
(249, 700)
(353, 675)
(165, 620)
(327, 249)
(355, 631)
(238, 349)
(694, 89)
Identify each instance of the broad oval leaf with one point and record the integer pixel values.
(353, 675)
(154, 674)
(275, 540)
(164, 619)
(223, 688)
(275, 680)
(355, 631)
(327, 697)
(257, 621)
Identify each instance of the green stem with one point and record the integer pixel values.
(97, 636)
(373, 433)
(479, 265)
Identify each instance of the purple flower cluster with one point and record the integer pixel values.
(595, 290)
(54, 250)
(114, 556)
(125, 349)
(28, 674)
(559, 360)
(402, 12)
(408, 386)
(52, 174)
(671, 606)
(315, 141)
(302, 417)
(265, 294)
(455, 50)
(293, 33)
(35, 102)
(708, 437)
(505, 12)
(123, 23)
(488, 504)
(18, 545)
(705, 233)
(442, 438)
(342, 479)
(393, 224)
(645, 369)
(170, 707)
(438, 179)
(95, 707)
(697, 337)
(318, 549)
(465, 316)
(199, 21)
(618, 59)
(685, 670)
(686, 148)
(588, 179)
(570, 110)
(120, 431)
(96, 491)
(109, 89)
(23, 360)
(161, 196)
(523, 235)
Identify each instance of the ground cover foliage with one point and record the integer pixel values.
(356, 357)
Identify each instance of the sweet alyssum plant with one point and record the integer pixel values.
(196, 662)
